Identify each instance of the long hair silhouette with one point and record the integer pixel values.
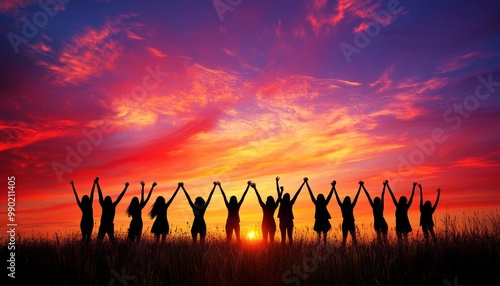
(268, 210)
(85, 205)
(321, 215)
(403, 226)
(347, 209)
(159, 213)
(379, 223)
(108, 213)
(199, 207)
(233, 216)
(426, 212)
(134, 210)
(285, 213)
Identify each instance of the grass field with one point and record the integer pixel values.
(466, 253)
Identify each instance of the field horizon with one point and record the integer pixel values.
(463, 255)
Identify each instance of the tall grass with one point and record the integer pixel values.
(467, 253)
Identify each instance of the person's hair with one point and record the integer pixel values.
(233, 201)
(321, 199)
(428, 205)
(347, 200)
(107, 200)
(377, 201)
(403, 200)
(134, 207)
(85, 200)
(286, 198)
(199, 201)
(270, 200)
(157, 207)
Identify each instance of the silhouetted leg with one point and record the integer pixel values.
(203, 233)
(353, 235)
(194, 233)
(290, 233)
(283, 232)
(237, 231)
(101, 233)
(384, 235)
(345, 231)
(431, 230)
(319, 236)
(265, 233)
(157, 237)
(163, 237)
(229, 232)
(272, 233)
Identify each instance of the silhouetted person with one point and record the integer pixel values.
(159, 211)
(321, 215)
(108, 213)
(347, 208)
(85, 205)
(268, 210)
(379, 223)
(285, 213)
(403, 226)
(233, 214)
(134, 210)
(199, 207)
(426, 212)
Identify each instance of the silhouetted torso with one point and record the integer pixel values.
(108, 214)
(347, 212)
(269, 211)
(321, 211)
(402, 221)
(233, 213)
(426, 216)
(285, 212)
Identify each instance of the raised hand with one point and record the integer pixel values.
(361, 183)
(386, 182)
(72, 183)
(277, 178)
(155, 184)
(414, 184)
(419, 186)
(142, 183)
(334, 183)
(249, 183)
(306, 179)
(439, 190)
(126, 184)
(253, 185)
(180, 184)
(215, 183)
(96, 180)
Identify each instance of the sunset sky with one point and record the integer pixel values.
(240, 90)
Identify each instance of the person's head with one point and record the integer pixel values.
(199, 201)
(403, 200)
(321, 199)
(107, 200)
(85, 200)
(347, 200)
(134, 205)
(428, 205)
(270, 201)
(286, 198)
(155, 208)
(377, 201)
(233, 200)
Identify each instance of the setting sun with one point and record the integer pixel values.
(251, 235)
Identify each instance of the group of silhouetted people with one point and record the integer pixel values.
(322, 224)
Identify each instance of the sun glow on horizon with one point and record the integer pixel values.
(251, 235)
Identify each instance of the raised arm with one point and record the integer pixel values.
(212, 192)
(224, 196)
(254, 186)
(298, 191)
(74, 192)
(368, 195)
(278, 185)
(188, 198)
(383, 194)
(334, 183)
(361, 183)
(421, 196)
(121, 194)
(179, 185)
(99, 191)
(245, 193)
(310, 193)
(329, 197)
(437, 200)
(142, 191)
(93, 188)
(412, 193)
(392, 194)
(149, 194)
